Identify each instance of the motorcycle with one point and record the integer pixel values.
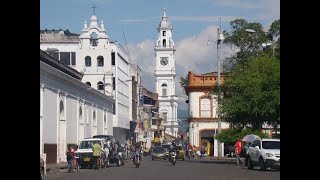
(173, 158)
(137, 159)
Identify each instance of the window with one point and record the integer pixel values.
(88, 83)
(94, 39)
(65, 58)
(271, 144)
(88, 61)
(61, 108)
(163, 33)
(114, 108)
(73, 58)
(100, 61)
(113, 58)
(205, 107)
(164, 42)
(164, 89)
(114, 83)
(100, 85)
(80, 113)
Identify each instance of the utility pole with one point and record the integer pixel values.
(219, 39)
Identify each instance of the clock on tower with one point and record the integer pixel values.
(164, 61)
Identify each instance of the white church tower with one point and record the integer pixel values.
(165, 75)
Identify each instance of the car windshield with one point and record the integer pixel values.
(158, 149)
(271, 144)
(87, 144)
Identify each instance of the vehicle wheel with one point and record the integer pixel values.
(107, 163)
(250, 165)
(262, 165)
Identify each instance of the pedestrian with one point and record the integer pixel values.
(238, 149)
(70, 152)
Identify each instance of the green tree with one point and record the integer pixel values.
(183, 81)
(252, 97)
(242, 43)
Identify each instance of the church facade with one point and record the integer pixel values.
(104, 64)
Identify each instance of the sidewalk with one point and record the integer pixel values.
(57, 167)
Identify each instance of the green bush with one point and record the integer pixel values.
(229, 136)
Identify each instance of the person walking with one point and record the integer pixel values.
(238, 149)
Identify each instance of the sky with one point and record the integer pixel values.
(134, 24)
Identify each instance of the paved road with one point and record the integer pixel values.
(160, 169)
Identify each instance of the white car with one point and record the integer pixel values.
(264, 153)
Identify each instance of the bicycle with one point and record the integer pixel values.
(75, 164)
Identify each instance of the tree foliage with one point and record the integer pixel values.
(252, 97)
(242, 43)
(229, 136)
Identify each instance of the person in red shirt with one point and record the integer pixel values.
(238, 149)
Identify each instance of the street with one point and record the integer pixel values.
(199, 169)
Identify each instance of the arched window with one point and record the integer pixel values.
(87, 61)
(164, 42)
(164, 89)
(94, 39)
(100, 85)
(80, 113)
(61, 108)
(94, 118)
(88, 83)
(100, 61)
(205, 107)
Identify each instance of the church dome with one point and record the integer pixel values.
(94, 18)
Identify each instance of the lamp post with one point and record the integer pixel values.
(219, 39)
(272, 44)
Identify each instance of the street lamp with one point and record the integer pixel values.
(264, 45)
(220, 37)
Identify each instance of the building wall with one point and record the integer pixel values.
(196, 127)
(72, 120)
(58, 86)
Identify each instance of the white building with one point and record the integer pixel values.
(104, 64)
(203, 124)
(165, 75)
(69, 112)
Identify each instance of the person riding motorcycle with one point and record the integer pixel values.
(173, 148)
(138, 149)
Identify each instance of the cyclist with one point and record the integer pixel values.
(96, 149)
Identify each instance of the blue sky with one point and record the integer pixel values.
(194, 22)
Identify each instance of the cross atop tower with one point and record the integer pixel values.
(94, 9)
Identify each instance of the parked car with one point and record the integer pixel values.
(85, 153)
(41, 169)
(264, 153)
(158, 152)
